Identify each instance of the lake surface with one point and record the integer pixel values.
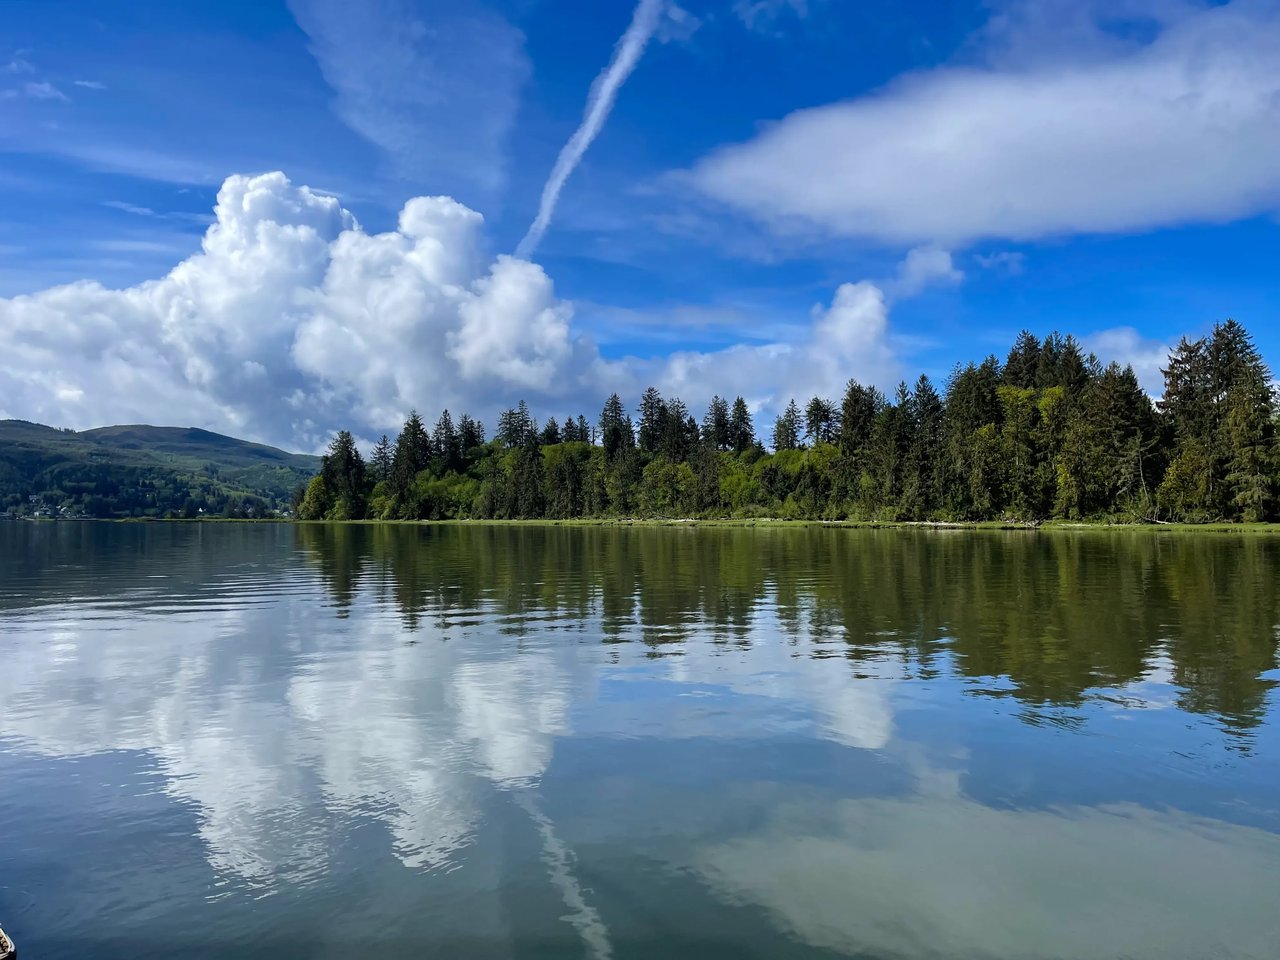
(267, 741)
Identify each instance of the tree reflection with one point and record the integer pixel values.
(1059, 616)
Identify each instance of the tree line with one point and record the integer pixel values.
(1050, 432)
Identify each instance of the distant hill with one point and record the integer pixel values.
(137, 470)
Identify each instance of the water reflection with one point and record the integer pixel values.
(1060, 617)
(897, 744)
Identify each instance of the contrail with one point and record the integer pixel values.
(559, 860)
(604, 90)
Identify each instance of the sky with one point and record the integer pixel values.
(278, 219)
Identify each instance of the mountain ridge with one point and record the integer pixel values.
(143, 470)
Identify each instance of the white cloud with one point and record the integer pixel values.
(36, 90)
(90, 84)
(923, 266)
(848, 339)
(435, 86)
(292, 321)
(1127, 347)
(1183, 129)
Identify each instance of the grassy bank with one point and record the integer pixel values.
(778, 523)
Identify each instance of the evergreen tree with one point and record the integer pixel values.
(344, 477)
(380, 461)
(715, 425)
(786, 429)
(653, 415)
(516, 427)
(470, 433)
(821, 421)
(742, 432)
(446, 444)
(675, 442)
(550, 433)
(616, 433)
(412, 455)
(857, 416)
(1023, 364)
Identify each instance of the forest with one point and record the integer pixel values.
(1049, 433)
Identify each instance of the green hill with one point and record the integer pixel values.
(143, 471)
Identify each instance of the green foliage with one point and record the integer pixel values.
(143, 471)
(1051, 434)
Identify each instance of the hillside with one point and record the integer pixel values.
(137, 470)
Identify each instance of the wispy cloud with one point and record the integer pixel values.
(36, 90)
(1010, 261)
(762, 15)
(139, 211)
(604, 91)
(90, 84)
(133, 208)
(19, 65)
(434, 85)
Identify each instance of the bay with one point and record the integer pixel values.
(493, 741)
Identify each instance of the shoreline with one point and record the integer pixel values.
(1007, 526)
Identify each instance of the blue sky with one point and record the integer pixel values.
(959, 170)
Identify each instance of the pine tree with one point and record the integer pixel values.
(821, 421)
(715, 425)
(615, 428)
(550, 433)
(470, 433)
(786, 429)
(380, 461)
(412, 455)
(653, 415)
(742, 432)
(343, 470)
(1020, 369)
(447, 444)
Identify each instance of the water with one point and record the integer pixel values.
(266, 741)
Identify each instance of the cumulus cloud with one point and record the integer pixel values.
(292, 321)
(848, 338)
(435, 86)
(1117, 137)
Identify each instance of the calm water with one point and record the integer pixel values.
(261, 741)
